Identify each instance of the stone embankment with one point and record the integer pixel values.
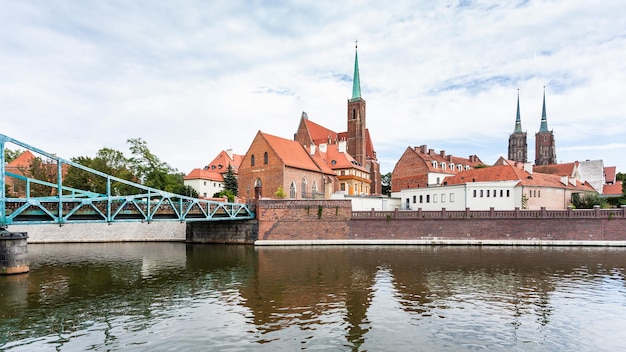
(318, 222)
(333, 222)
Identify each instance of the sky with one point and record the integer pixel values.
(192, 78)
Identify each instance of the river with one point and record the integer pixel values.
(182, 297)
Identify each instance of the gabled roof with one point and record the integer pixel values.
(290, 152)
(320, 134)
(203, 174)
(223, 159)
(22, 161)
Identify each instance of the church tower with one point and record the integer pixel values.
(545, 145)
(518, 148)
(356, 143)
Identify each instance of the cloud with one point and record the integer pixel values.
(195, 77)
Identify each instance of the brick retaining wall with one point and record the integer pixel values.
(304, 219)
(293, 220)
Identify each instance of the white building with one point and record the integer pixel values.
(504, 187)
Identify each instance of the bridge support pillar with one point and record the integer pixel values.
(13, 252)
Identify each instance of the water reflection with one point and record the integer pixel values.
(170, 296)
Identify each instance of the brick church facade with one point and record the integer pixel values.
(318, 161)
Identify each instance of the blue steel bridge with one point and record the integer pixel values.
(71, 205)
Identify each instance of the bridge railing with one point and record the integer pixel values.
(69, 204)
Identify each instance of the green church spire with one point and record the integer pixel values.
(518, 119)
(356, 81)
(544, 118)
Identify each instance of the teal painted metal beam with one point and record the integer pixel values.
(72, 205)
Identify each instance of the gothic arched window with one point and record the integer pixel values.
(303, 188)
(292, 190)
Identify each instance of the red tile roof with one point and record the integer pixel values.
(566, 169)
(429, 156)
(613, 190)
(22, 161)
(512, 173)
(342, 160)
(320, 134)
(204, 174)
(223, 159)
(609, 174)
(290, 152)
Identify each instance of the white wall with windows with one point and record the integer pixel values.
(501, 195)
(436, 178)
(205, 188)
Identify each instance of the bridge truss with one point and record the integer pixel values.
(71, 205)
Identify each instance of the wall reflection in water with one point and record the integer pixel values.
(124, 296)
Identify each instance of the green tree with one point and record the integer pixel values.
(385, 181)
(230, 180)
(587, 200)
(10, 155)
(190, 192)
(225, 193)
(280, 193)
(108, 161)
(151, 170)
(622, 177)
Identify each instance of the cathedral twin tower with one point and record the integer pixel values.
(545, 145)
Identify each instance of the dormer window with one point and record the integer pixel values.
(212, 167)
(333, 162)
(467, 167)
(434, 164)
(443, 165)
(219, 166)
(452, 166)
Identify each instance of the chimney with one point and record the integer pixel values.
(423, 148)
(442, 153)
(229, 152)
(431, 151)
(341, 147)
(528, 167)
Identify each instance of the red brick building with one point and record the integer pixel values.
(421, 167)
(272, 162)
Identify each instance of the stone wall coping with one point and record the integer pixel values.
(436, 241)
